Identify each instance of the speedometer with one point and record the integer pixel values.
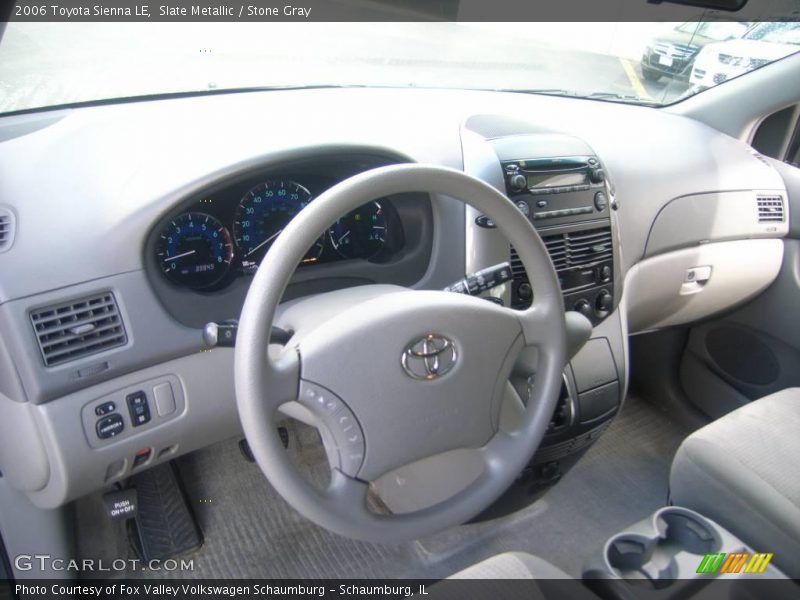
(262, 214)
(195, 250)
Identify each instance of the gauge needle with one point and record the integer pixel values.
(177, 256)
(266, 241)
(341, 239)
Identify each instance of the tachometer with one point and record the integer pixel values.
(195, 250)
(360, 233)
(262, 214)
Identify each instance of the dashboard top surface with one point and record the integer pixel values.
(94, 182)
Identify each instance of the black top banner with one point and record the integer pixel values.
(390, 10)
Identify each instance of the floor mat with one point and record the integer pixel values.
(621, 479)
(251, 532)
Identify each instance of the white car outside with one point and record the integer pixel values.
(762, 44)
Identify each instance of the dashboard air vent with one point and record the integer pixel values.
(570, 250)
(76, 329)
(580, 248)
(517, 270)
(7, 228)
(770, 209)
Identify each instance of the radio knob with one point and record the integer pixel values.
(597, 175)
(604, 301)
(518, 182)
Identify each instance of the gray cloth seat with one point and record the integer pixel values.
(512, 565)
(536, 579)
(743, 471)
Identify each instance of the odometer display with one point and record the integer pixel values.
(263, 213)
(194, 250)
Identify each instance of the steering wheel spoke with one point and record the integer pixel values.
(280, 374)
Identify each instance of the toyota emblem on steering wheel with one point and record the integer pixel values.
(430, 357)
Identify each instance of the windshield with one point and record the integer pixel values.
(776, 33)
(51, 64)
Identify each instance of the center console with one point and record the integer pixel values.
(567, 199)
(561, 185)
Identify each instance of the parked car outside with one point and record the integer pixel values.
(762, 44)
(673, 53)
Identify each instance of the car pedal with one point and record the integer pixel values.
(244, 447)
(164, 526)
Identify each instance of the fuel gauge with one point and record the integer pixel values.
(360, 233)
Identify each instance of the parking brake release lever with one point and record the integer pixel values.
(223, 334)
(481, 281)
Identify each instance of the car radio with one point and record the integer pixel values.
(559, 188)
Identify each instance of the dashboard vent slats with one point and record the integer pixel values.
(7, 228)
(770, 209)
(75, 329)
(572, 250)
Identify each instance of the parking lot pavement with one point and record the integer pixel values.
(45, 64)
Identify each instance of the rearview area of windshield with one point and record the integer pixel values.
(52, 64)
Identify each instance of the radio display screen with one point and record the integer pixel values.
(555, 179)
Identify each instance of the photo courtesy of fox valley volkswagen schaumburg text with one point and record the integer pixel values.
(391, 298)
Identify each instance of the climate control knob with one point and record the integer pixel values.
(604, 301)
(583, 307)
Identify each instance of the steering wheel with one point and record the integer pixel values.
(392, 375)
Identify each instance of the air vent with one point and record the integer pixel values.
(517, 270)
(7, 228)
(571, 250)
(770, 209)
(79, 328)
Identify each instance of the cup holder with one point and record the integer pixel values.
(656, 560)
(641, 560)
(687, 532)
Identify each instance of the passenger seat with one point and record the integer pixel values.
(743, 471)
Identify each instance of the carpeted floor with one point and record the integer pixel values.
(250, 532)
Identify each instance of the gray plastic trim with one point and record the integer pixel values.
(703, 218)
(659, 291)
(23, 461)
(76, 468)
(153, 337)
(28, 530)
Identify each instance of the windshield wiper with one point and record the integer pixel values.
(621, 97)
(547, 91)
(611, 96)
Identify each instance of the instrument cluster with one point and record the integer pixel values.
(226, 234)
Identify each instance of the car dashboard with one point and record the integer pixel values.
(137, 223)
